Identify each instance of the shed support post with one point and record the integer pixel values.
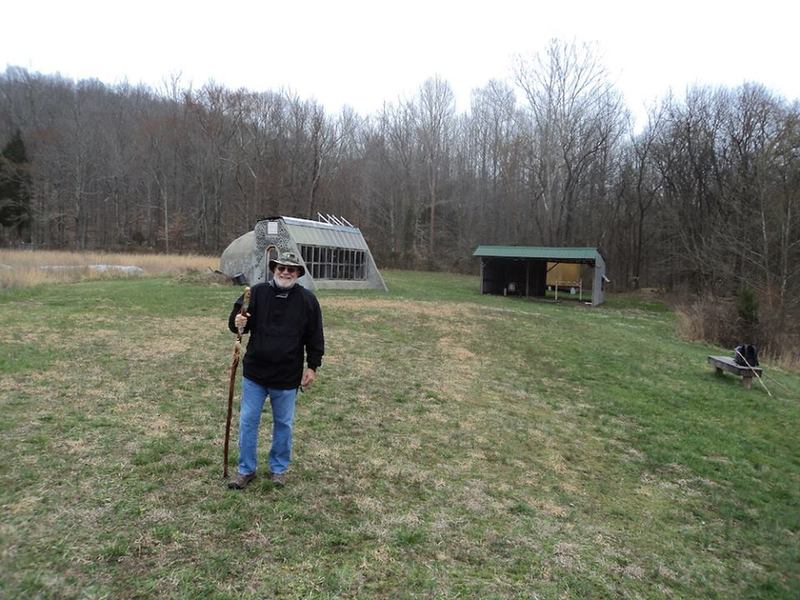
(527, 278)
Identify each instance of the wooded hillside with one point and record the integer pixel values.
(705, 196)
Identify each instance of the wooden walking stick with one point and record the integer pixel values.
(237, 351)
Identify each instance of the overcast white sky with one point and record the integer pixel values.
(364, 53)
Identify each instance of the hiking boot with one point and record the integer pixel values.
(240, 481)
(278, 479)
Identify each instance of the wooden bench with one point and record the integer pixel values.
(724, 363)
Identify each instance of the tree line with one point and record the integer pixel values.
(704, 196)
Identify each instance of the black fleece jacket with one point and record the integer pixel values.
(283, 327)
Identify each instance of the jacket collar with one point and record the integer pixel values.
(282, 292)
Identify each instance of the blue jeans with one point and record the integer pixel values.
(282, 401)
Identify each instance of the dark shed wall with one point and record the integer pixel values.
(528, 276)
(538, 278)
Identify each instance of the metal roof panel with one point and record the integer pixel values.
(543, 252)
(314, 233)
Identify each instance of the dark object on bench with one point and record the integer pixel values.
(745, 355)
(723, 363)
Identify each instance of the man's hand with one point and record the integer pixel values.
(241, 320)
(309, 375)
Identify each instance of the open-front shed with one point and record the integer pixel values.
(524, 270)
(334, 252)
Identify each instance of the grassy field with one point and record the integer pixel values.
(455, 446)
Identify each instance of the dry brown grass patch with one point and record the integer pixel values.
(25, 268)
(431, 309)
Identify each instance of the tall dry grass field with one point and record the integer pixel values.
(24, 268)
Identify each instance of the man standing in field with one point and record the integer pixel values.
(285, 325)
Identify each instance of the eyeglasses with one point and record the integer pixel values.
(282, 268)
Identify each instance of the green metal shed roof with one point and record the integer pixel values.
(543, 252)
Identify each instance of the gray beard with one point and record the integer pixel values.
(281, 286)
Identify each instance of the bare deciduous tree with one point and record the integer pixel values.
(574, 114)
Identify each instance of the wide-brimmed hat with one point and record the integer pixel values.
(288, 259)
